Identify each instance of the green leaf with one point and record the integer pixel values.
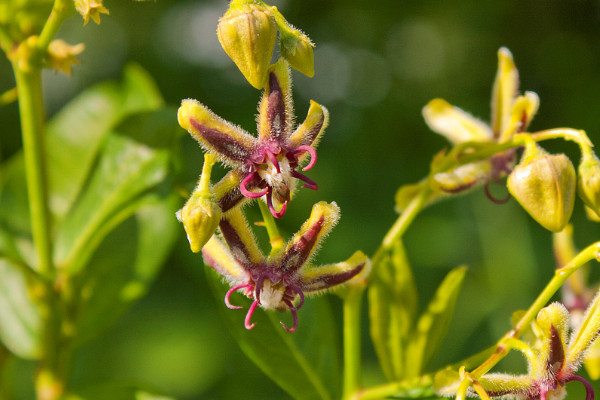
(126, 263)
(304, 363)
(116, 392)
(433, 324)
(76, 133)
(392, 310)
(134, 158)
(20, 321)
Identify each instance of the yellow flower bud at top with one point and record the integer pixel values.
(544, 185)
(248, 33)
(588, 182)
(200, 217)
(297, 49)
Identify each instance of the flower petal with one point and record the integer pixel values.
(310, 131)
(454, 124)
(523, 110)
(585, 335)
(230, 143)
(504, 92)
(464, 177)
(554, 323)
(276, 107)
(321, 278)
(219, 258)
(241, 240)
(227, 190)
(305, 242)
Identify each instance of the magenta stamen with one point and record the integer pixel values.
(589, 390)
(543, 394)
(294, 315)
(309, 150)
(258, 287)
(274, 160)
(244, 190)
(230, 292)
(494, 200)
(272, 209)
(249, 315)
(311, 184)
(301, 294)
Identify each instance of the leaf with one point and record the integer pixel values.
(134, 158)
(126, 263)
(392, 309)
(116, 392)
(304, 363)
(20, 320)
(433, 324)
(76, 133)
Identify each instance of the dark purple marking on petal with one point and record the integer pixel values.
(556, 358)
(493, 199)
(247, 323)
(310, 183)
(244, 189)
(231, 291)
(236, 245)
(309, 150)
(300, 248)
(258, 287)
(294, 315)
(275, 213)
(589, 390)
(275, 109)
(222, 142)
(326, 282)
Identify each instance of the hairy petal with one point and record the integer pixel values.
(240, 239)
(554, 324)
(305, 242)
(505, 90)
(315, 279)
(227, 190)
(230, 143)
(585, 335)
(276, 107)
(455, 124)
(523, 110)
(219, 258)
(311, 130)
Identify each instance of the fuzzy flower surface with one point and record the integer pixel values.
(266, 166)
(553, 359)
(511, 114)
(90, 9)
(281, 280)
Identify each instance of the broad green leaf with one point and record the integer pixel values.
(116, 392)
(433, 324)
(134, 158)
(304, 363)
(125, 264)
(20, 321)
(76, 133)
(392, 309)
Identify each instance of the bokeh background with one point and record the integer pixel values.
(377, 64)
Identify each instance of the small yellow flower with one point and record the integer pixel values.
(90, 9)
(62, 56)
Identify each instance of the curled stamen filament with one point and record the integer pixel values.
(230, 292)
(309, 150)
(247, 193)
(247, 323)
(301, 294)
(310, 183)
(294, 315)
(589, 390)
(273, 160)
(276, 214)
(493, 199)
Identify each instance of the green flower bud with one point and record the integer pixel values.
(248, 33)
(200, 217)
(297, 49)
(588, 182)
(544, 185)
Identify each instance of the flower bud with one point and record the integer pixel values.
(544, 185)
(588, 182)
(247, 34)
(297, 49)
(200, 217)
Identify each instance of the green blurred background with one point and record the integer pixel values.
(377, 64)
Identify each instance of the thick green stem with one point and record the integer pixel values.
(275, 238)
(352, 341)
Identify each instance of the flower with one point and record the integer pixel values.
(90, 9)
(62, 56)
(275, 282)
(553, 359)
(511, 114)
(265, 166)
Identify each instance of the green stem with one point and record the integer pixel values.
(352, 342)
(394, 388)
(60, 10)
(274, 236)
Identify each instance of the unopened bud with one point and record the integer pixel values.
(247, 34)
(588, 182)
(200, 217)
(297, 49)
(544, 185)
